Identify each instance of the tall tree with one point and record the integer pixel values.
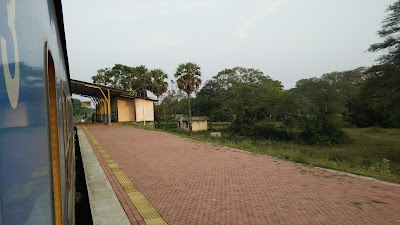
(158, 86)
(323, 95)
(246, 94)
(324, 106)
(210, 101)
(188, 79)
(379, 98)
(347, 84)
(171, 104)
(391, 33)
(103, 77)
(133, 79)
(121, 76)
(140, 81)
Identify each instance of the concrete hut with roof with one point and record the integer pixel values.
(199, 123)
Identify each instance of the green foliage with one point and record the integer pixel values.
(333, 93)
(167, 126)
(188, 77)
(140, 80)
(320, 102)
(321, 97)
(322, 130)
(158, 86)
(120, 76)
(378, 101)
(103, 77)
(80, 111)
(188, 80)
(347, 85)
(270, 130)
(390, 34)
(210, 101)
(292, 106)
(244, 95)
(135, 80)
(250, 98)
(171, 104)
(381, 167)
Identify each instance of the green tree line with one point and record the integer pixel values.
(314, 111)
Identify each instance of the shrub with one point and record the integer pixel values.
(167, 126)
(290, 122)
(382, 167)
(269, 130)
(322, 130)
(242, 129)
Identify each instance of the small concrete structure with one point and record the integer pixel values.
(215, 134)
(125, 109)
(128, 109)
(199, 123)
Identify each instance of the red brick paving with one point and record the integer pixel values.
(198, 183)
(130, 210)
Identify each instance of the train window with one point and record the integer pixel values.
(67, 120)
(54, 144)
(67, 139)
(64, 117)
(70, 127)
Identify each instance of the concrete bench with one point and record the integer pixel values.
(215, 134)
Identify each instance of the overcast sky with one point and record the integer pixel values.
(286, 39)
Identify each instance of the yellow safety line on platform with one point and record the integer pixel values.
(146, 210)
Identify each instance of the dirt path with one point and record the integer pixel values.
(197, 183)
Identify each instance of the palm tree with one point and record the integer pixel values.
(158, 87)
(188, 79)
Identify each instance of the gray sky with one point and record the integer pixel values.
(286, 39)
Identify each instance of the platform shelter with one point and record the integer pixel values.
(115, 105)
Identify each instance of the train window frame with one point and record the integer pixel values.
(66, 137)
(51, 87)
(63, 116)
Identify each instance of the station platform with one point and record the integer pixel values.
(137, 176)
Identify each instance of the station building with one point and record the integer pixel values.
(115, 105)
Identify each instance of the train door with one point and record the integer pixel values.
(54, 141)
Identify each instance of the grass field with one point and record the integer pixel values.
(373, 152)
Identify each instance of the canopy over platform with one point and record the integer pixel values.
(101, 94)
(93, 90)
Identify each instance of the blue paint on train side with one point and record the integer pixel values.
(26, 194)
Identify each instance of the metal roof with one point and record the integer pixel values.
(92, 90)
(196, 118)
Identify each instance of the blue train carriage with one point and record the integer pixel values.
(37, 164)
